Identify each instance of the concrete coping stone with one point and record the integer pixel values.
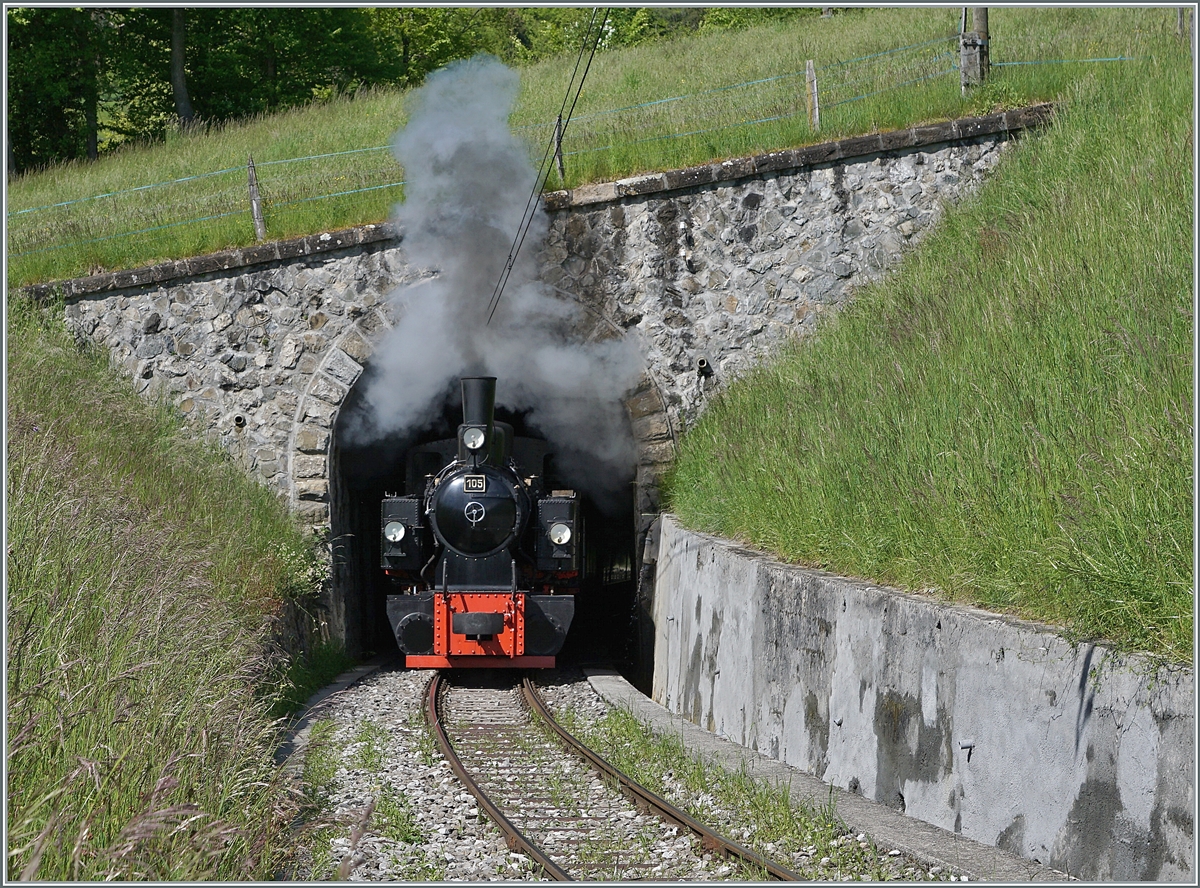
(921, 136)
(598, 193)
(923, 841)
(297, 734)
(237, 257)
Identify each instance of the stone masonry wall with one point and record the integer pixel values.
(721, 262)
(725, 273)
(711, 267)
(259, 356)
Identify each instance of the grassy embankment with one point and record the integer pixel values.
(79, 238)
(1007, 420)
(143, 686)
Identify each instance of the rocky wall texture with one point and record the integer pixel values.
(711, 267)
(259, 357)
(714, 277)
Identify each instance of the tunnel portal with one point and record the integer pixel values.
(362, 473)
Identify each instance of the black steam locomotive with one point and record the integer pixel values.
(485, 560)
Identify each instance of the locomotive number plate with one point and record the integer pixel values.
(475, 483)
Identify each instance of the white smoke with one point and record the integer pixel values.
(468, 182)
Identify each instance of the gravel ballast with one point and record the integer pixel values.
(376, 748)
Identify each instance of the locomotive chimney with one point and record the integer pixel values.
(475, 435)
(479, 400)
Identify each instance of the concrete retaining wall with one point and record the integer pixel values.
(987, 726)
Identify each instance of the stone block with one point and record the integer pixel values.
(644, 403)
(656, 453)
(308, 467)
(318, 412)
(342, 367)
(355, 346)
(689, 177)
(635, 185)
(735, 168)
(602, 192)
(327, 390)
(316, 490)
(312, 512)
(312, 439)
(652, 427)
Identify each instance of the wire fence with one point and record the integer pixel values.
(783, 104)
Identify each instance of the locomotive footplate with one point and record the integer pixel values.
(480, 629)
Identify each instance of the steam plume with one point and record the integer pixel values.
(468, 182)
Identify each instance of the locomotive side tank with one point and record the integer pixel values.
(485, 559)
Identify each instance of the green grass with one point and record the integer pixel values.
(140, 672)
(770, 822)
(81, 238)
(305, 675)
(390, 814)
(1007, 420)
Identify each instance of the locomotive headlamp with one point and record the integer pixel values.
(393, 531)
(560, 534)
(473, 438)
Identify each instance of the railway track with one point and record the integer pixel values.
(561, 804)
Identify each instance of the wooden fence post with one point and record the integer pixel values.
(979, 21)
(814, 105)
(260, 229)
(969, 60)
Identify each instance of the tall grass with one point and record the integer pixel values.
(686, 101)
(142, 575)
(1007, 420)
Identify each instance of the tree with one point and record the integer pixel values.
(56, 66)
(183, 104)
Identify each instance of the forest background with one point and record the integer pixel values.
(86, 81)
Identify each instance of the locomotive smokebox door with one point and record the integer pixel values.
(402, 543)
(560, 532)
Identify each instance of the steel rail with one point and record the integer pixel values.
(643, 797)
(513, 837)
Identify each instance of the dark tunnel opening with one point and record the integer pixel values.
(604, 630)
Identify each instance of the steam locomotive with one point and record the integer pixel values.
(485, 558)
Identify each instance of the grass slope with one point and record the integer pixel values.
(686, 101)
(143, 571)
(1007, 420)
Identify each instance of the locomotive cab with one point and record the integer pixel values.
(487, 560)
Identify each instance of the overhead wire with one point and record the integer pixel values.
(544, 168)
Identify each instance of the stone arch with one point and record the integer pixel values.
(343, 363)
(318, 495)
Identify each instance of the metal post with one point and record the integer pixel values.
(814, 105)
(260, 229)
(558, 157)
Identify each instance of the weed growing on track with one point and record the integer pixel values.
(1007, 420)
(808, 838)
(321, 840)
(369, 740)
